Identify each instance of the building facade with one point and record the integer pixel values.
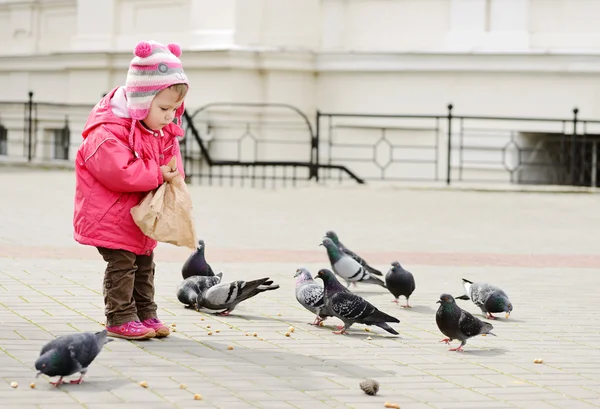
(531, 58)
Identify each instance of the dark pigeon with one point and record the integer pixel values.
(196, 264)
(346, 267)
(487, 297)
(311, 295)
(456, 323)
(224, 297)
(400, 282)
(188, 290)
(69, 354)
(334, 237)
(352, 308)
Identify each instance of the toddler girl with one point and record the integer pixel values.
(129, 138)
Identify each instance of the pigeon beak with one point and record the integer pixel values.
(320, 244)
(507, 315)
(438, 302)
(38, 374)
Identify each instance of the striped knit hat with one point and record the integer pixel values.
(154, 68)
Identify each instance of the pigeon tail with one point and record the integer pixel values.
(373, 270)
(467, 285)
(386, 327)
(374, 280)
(377, 317)
(255, 287)
(486, 328)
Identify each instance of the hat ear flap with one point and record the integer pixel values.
(143, 49)
(175, 49)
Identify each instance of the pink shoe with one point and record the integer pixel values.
(159, 328)
(131, 330)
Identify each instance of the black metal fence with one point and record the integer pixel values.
(40, 131)
(260, 144)
(459, 148)
(255, 143)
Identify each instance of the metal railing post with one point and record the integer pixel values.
(449, 164)
(29, 126)
(573, 143)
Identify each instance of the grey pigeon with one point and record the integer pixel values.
(226, 296)
(196, 264)
(188, 290)
(69, 354)
(346, 267)
(311, 295)
(456, 323)
(334, 237)
(487, 297)
(400, 282)
(352, 308)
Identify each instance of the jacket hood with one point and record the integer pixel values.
(111, 110)
(102, 114)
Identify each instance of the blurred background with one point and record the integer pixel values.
(293, 92)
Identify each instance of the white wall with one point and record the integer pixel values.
(488, 57)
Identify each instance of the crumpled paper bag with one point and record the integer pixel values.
(165, 214)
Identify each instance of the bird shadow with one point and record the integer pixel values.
(501, 319)
(362, 292)
(419, 309)
(93, 385)
(306, 366)
(491, 352)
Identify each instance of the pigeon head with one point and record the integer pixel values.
(331, 234)
(200, 246)
(303, 276)
(331, 247)
(446, 299)
(303, 273)
(499, 302)
(49, 363)
(396, 264)
(326, 275)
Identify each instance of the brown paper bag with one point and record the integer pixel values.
(165, 214)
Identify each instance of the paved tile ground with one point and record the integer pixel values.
(540, 247)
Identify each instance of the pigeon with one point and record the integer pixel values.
(346, 267)
(69, 354)
(188, 290)
(196, 264)
(487, 297)
(400, 282)
(351, 308)
(226, 296)
(311, 295)
(456, 323)
(334, 237)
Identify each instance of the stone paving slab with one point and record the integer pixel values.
(539, 247)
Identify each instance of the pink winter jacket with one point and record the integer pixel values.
(114, 171)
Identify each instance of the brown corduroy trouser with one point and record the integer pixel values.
(128, 286)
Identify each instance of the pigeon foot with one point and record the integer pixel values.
(224, 313)
(459, 349)
(406, 306)
(395, 301)
(317, 321)
(445, 340)
(76, 381)
(340, 332)
(490, 316)
(59, 382)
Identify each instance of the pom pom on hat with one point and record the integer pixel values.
(175, 49)
(143, 49)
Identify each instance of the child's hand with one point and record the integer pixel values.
(168, 173)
